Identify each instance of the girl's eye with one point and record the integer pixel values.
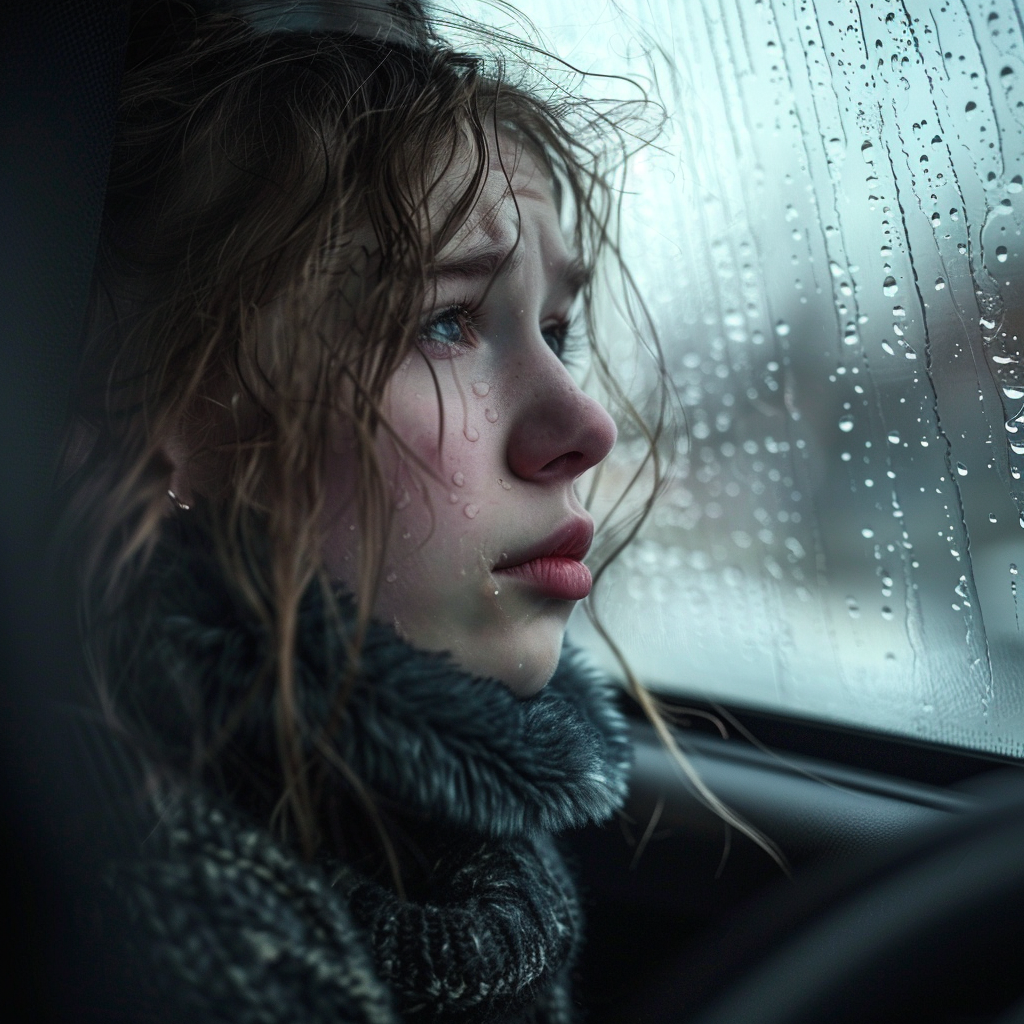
(562, 340)
(447, 334)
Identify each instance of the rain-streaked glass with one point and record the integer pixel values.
(829, 237)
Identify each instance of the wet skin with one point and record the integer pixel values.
(484, 556)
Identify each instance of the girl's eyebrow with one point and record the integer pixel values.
(486, 261)
(576, 275)
(491, 261)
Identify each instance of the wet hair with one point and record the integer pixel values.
(265, 258)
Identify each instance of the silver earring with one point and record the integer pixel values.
(180, 504)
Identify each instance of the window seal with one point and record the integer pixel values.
(916, 760)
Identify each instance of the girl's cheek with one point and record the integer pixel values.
(456, 434)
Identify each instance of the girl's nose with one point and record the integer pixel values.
(559, 431)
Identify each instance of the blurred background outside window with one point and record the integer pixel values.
(829, 238)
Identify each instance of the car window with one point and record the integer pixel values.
(829, 238)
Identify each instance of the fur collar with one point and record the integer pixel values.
(419, 731)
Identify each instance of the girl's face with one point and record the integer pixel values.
(484, 557)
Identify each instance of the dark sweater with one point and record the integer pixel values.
(238, 927)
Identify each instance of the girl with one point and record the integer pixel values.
(331, 532)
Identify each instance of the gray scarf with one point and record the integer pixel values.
(239, 927)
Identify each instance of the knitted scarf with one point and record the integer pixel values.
(240, 928)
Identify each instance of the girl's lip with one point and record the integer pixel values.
(570, 541)
(555, 576)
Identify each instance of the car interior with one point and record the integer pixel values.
(829, 233)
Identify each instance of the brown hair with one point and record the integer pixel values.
(285, 171)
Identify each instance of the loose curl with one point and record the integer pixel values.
(266, 253)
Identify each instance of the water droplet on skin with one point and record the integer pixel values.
(491, 415)
(471, 511)
(403, 500)
(406, 535)
(867, 533)
(846, 424)
(481, 389)
(496, 593)
(472, 434)
(458, 479)
(961, 469)
(391, 577)
(505, 485)
(453, 498)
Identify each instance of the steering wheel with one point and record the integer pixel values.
(933, 932)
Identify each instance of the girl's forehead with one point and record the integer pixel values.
(515, 189)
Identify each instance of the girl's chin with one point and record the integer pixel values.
(523, 663)
(522, 654)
